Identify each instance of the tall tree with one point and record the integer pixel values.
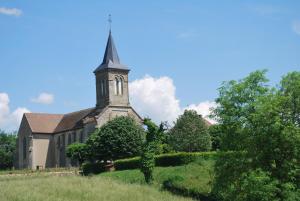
(7, 149)
(190, 133)
(119, 138)
(266, 119)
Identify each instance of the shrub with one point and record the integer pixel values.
(127, 164)
(165, 160)
(77, 152)
(181, 158)
(89, 168)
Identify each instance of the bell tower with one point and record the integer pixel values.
(111, 78)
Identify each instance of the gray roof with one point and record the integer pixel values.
(111, 58)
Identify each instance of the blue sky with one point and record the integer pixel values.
(52, 47)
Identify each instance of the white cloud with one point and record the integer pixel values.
(296, 27)
(10, 11)
(10, 120)
(156, 98)
(44, 98)
(203, 108)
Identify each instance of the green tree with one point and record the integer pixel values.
(190, 133)
(78, 152)
(119, 138)
(154, 136)
(7, 149)
(265, 122)
(215, 133)
(235, 104)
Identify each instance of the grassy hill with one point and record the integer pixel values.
(193, 178)
(77, 188)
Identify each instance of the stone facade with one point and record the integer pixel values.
(43, 138)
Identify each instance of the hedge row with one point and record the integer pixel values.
(165, 160)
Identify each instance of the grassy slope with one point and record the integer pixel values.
(196, 176)
(75, 188)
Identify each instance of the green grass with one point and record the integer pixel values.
(196, 176)
(29, 171)
(76, 188)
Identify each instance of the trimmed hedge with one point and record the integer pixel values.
(165, 160)
(92, 168)
(127, 164)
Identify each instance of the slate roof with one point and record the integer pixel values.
(111, 58)
(54, 123)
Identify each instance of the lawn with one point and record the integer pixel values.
(196, 176)
(76, 188)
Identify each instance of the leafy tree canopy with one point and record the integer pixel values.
(190, 133)
(7, 149)
(261, 124)
(78, 152)
(119, 138)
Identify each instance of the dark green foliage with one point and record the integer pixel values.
(120, 138)
(165, 160)
(253, 185)
(128, 164)
(262, 125)
(153, 139)
(7, 149)
(190, 133)
(182, 158)
(148, 163)
(89, 168)
(215, 133)
(77, 152)
(236, 103)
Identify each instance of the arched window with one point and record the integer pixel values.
(118, 86)
(69, 139)
(24, 148)
(105, 86)
(58, 142)
(74, 136)
(81, 136)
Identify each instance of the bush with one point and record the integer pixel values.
(127, 164)
(77, 152)
(165, 160)
(92, 168)
(181, 158)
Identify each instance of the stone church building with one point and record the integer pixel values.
(43, 138)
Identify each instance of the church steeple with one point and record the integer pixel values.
(111, 78)
(111, 58)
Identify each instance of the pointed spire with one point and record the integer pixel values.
(111, 58)
(111, 54)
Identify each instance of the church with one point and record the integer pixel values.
(43, 138)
